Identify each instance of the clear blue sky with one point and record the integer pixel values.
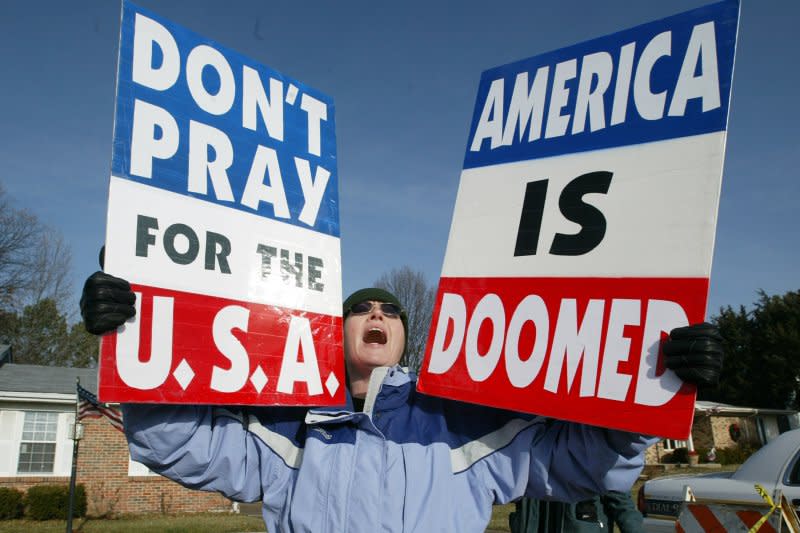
(403, 76)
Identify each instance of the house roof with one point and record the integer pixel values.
(45, 379)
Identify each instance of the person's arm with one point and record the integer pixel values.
(200, 450)
(571, 462)
(197, 446)
(564, 461)
(508, 455)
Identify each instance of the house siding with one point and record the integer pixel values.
(103, 466)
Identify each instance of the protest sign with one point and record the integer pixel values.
(584, 226)
(223, 215)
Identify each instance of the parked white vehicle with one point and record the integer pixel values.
(775, 467)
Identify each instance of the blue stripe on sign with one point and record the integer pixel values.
(171, 172)
(577, 99)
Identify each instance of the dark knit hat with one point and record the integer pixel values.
(375, 295)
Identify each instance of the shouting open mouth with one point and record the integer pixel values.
(374, 336)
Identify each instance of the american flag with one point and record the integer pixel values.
(89, 407)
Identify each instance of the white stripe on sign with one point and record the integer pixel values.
(174, 241)
(670, 234)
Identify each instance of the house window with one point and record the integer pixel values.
(138, 469)
(37, 449)
(672, 444)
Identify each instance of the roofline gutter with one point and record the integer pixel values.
(744, 411)
(37, 397)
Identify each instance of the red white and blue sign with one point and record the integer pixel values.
(584, 226)
(223, 215)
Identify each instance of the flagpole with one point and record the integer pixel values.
(73, 474)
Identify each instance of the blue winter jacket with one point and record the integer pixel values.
(409, 462)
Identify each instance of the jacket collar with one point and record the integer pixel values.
(389, 386)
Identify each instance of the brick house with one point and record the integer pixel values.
(37, 411)
(719, 425)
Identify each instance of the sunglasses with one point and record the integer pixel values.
(389, 310)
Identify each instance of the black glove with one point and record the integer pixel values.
(106, 303)
(695, 354)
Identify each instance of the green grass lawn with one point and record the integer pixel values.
(500, 514)
(189, 523)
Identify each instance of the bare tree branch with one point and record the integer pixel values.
(34, 260)
(18, 231)
(51, 261)
(413, 291)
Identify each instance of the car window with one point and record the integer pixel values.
(794, 471)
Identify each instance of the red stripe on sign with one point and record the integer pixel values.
(679, 528)
(191, 349)
(750, 518)
(706, 518)
(580, 349)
